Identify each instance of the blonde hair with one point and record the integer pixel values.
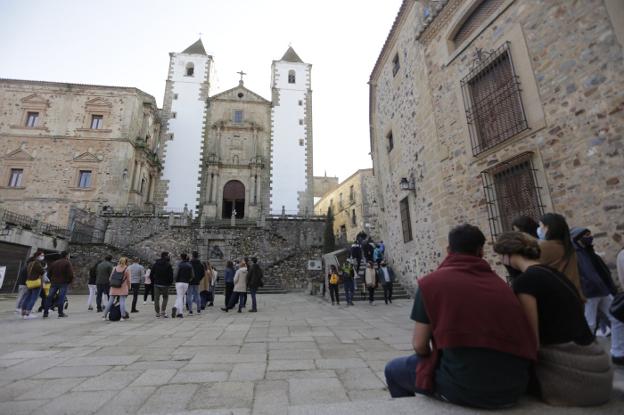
(123, 261)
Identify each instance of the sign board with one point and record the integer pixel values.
(315, 265)
(2, 273)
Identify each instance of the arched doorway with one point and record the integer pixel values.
(233, 199)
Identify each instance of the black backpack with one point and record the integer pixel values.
(117, 278)
(115, 313)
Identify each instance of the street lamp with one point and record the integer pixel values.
(406, 184)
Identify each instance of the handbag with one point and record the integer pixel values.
(30, 284)
(617, 306)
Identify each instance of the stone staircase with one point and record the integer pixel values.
(271, 285)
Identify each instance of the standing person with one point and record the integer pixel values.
(33, 283)
(228, 277)
(21, 281)
(119, 282)
(102, 274)
(386, 276)
(61, 274)
(370, 278)
(240, 288)
(598, 288)
(184, 275)
(334, 281)
(556, 247)
(92, 285)
(161, 275)
(525, 224)
(620, 267)
(348, 282)
(382, 247)
(213, 284)
(148, 287)
(254, 281)
(137, 276)
(205, 286)
(472, 341)
(192, 296)
(377, 255)
(356, 254)
(572, 369)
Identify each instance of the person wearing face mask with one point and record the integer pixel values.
(571, 368)
(599, 289)
(556, 248)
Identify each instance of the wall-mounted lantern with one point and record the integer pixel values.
(408, 184)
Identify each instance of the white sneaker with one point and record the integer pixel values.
(18, 310)
(30, 317)
(144, 302)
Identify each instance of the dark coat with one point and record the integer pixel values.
(103, 271)
(382, 279)
(254, 277)
(595, 275)
(162, 273)
(23, 274)
(61, 272)
(198, 270)
(185, 272)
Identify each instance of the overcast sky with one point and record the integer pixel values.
(127, 43)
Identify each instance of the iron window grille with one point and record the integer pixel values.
(511, 190)
(476, 19)
(406, 221)
(491, 93)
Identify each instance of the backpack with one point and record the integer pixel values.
(115, 313)
(117, 278)
(333, 279)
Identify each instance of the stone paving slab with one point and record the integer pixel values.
(298, 355)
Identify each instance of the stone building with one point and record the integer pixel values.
(72, 145)
(184, 111)
(235, 174)
(484, 110)
(292, 189)
(354, 206)
(322, 185)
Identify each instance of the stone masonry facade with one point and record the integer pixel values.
(72, 145)
(569, 66)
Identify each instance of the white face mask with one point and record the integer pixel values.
(41, 257)
(541, 234)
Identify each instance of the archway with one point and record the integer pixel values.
(233, 199)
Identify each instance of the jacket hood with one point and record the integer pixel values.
(576, 233)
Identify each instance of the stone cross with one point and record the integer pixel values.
(241, 73)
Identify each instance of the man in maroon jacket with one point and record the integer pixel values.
(472, 341)
(61, 274)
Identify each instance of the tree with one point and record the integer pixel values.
(329, 241)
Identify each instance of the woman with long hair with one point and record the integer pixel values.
(525, 224)
(571, 369)
(120, 272)
(556, 247)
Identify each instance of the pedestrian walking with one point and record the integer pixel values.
(572, 369)
(348, 282)
(102, 274)
(228, 278)
(61, 274)
(334, 282)
(385, 275)
(377, 255)
(148, 287)
(254, 281)
(192, 295)
(598, 288)
(119, 282)
(370, 279)
(240, 288)
(161, 275)
(22, 290)
(205, 287)
(137, 277)
(33, 283)
(556, 249)
(92, 284)
(184, 275)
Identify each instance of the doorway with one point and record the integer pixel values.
(233, 199)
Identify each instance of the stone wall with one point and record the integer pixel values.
(570, 68)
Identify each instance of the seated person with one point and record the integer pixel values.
(473, 342)
(571, 368)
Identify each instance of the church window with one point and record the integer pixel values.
(31, 119)
(84, 179)
(353, 217)
(238, 116)
(301, 142)
(291, 77)
(406, 221)
(351, 194)
(190, 69)
(390, 140)
(15, 180)
(511, 190)
(97, 122)
(491, 92)
(396, 65)
(478, 16)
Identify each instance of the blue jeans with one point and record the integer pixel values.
(122, 305)
(192, 296)
(253, 292)
(349, 288)
(62, 291)
(29, 299)
(237, 297)
(401, 376)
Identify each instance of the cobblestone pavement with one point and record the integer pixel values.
(298, 355)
